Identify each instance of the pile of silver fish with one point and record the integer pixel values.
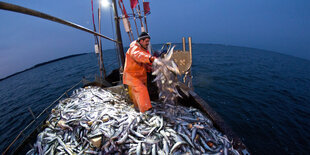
(166, 72)
(96, 121)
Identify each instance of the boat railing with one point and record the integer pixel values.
(21, 133)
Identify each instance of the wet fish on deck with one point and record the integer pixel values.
(112, 126)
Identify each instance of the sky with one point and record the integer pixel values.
(282, 26)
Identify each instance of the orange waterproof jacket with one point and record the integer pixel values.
(137, 58)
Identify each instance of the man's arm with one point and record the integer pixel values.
(140, 56)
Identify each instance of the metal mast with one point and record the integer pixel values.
(118, 35)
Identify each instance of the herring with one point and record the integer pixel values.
(122, 130)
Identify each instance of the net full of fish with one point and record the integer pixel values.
(96, 121)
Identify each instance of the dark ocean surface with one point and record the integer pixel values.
(264, 96)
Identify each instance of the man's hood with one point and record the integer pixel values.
(134, 43)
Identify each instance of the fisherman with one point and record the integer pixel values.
(138, 62)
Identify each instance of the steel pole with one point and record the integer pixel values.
(19, 9)
(119, 36)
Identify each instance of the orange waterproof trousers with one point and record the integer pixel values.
(135, 75)
(140, 97)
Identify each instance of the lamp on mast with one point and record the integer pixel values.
(105, 3)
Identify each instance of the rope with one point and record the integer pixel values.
(139, 14)
(134, 18)
(124, 13)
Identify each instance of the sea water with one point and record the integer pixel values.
(264, 96)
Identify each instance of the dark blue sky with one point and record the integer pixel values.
(278, 25)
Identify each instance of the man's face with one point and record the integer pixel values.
(145, 43)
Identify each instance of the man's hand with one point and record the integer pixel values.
(152, 59)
